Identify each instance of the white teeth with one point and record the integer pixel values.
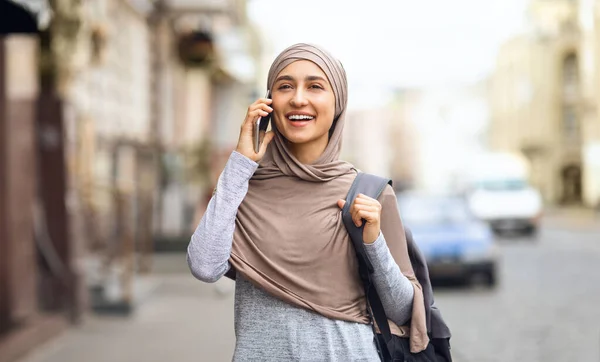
(299, 117)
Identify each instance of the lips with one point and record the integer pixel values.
(297, 115)
(299, 119)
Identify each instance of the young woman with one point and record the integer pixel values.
(274, 224)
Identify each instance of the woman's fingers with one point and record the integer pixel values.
(266, 138)
(260, 107)
(367, 212)
(363, 207)
(245, 146)
(257, 109)
(253, 116)
(369, 216)
(263, 101)
(366, 200)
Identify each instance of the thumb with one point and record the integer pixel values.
(266, 140)
(341, 203)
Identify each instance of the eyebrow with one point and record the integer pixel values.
(308, 78)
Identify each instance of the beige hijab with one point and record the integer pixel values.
(289, 238)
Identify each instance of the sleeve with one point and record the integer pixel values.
(210, 246)
(394, 289)
(395, 239)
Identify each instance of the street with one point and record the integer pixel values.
(545, 308)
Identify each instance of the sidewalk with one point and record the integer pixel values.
(181, 320)
(578, 219)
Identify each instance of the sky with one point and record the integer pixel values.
(396, 43)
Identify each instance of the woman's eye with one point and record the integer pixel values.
(285, 86)
(316, 86)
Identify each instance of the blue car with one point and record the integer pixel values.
(455, 243)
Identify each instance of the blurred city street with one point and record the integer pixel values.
(117, 118)
(180, 319)
(544, 309)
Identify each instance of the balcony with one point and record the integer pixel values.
(196, 48)
(210, 7)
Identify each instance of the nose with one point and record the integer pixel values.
(299, 99)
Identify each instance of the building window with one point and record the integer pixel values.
(570, 119)
(570, 78)
(570, 123)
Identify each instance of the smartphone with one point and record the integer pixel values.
(262, 123)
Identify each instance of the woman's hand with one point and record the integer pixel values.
(368, 209)
(245, 145)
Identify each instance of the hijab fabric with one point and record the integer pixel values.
(290, 240)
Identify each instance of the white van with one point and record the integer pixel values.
(500, 194)
(507, 205)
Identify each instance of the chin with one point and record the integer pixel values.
(296, 138)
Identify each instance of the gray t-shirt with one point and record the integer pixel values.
(266, 328)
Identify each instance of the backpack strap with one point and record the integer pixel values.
(371, 186)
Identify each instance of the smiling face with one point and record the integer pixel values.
(304, 108)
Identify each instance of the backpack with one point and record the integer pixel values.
(391, 347)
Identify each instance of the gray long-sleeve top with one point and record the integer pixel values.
(266, 328)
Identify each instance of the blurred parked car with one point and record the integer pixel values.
(507, 205)
(455, 243)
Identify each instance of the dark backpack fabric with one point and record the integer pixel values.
(391, 347)
(439, 333)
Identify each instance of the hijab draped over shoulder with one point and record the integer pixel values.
(289, 238)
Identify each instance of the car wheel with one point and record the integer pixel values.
(531, 231)
(490, 278)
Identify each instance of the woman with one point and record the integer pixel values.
(274, 223)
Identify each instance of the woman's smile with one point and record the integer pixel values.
(300, 119)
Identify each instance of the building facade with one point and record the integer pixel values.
(544, 97)
(32, 294)
(589, 14)
(129, 117)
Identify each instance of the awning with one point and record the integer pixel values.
(199, 6)
(14, 18)
(26, 15)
